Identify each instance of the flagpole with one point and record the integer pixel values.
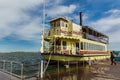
(44, 15)
(43, 32)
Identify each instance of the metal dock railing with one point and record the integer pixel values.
(21, 71)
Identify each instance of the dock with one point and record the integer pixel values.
(102, 70)
(105, 71)
(5, 76)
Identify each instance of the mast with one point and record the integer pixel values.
(42, 42)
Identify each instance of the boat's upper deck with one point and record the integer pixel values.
(64, 27)
(92, 34)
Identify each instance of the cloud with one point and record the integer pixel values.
(11, 12)
(17, 17)
(61, 10)
(31, 31)
(110, 24)
(19, 4)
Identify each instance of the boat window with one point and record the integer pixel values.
(95, 47)
(81, 45)
(66, 25)
(103, 48)
(87, 46)
(90, 31)
(84, 30)
(62, 23)
(51, 24)
(90, 46)
(54, 24)
(58, 23)
(64, 45)
(84, 45)
(77, 46)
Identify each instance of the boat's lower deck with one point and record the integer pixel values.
(64, 57)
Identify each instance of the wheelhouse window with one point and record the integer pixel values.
(58, 23)
(62, 23)
(64, 45)
(54, 24)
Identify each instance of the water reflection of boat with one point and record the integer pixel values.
(72, 73)
(67, 41)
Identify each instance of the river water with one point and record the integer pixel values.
(54, 72)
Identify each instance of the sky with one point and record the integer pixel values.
(21, 20)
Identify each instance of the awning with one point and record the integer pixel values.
(67, 37)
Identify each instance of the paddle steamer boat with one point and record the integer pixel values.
(67, 41)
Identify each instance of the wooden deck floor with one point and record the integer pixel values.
(5, 76)
(105, 71)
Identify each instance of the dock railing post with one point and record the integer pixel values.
(38, 77)
(11, 63)
(21, 71)
(41, 74)
(3, 65)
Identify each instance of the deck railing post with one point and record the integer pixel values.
(77, 69)
(58, 69)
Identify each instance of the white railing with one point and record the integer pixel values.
(59, 49)
(47, 32)
(16, 69)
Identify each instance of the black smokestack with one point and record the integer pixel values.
(80, 18)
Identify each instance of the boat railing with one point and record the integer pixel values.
(21, 70)
(61, 49)
(62, 32)
(47, 32)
